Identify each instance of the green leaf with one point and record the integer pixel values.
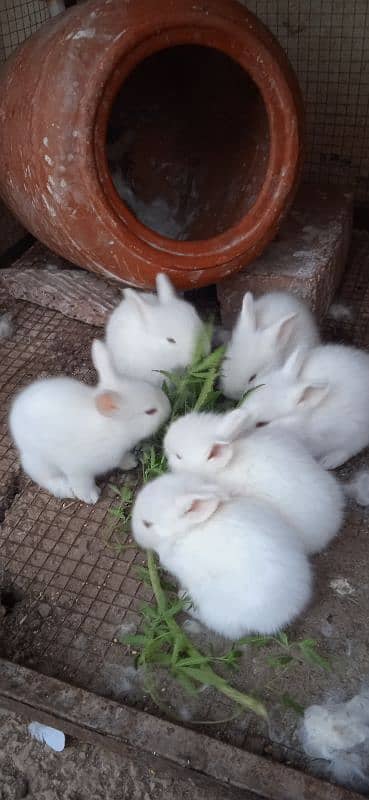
(312, 657)
(256, 641)
(290, 702)
(133, 640)
(283, 639)
(280, 662)
(247, 394)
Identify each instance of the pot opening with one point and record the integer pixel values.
(188, 142)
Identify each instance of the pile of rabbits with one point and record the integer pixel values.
(248, 497)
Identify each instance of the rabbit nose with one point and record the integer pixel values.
(151, 411)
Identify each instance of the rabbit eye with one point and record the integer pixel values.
(261, 424)
(151, 411)
(252, 378)
(172, 341)
(146, 523)
(179, 457)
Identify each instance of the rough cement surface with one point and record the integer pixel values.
(85, 772)
(42, 277)
(307, 256)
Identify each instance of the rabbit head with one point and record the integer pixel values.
(252, 349)
(166, 326)
(282, 397)
(203, 442)
(172, 505)
(123, 399)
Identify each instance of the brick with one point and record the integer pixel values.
(46, 279)
(307, 257)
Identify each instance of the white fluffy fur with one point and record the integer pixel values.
(358, 487)
(6, 326)
(339, 734)
(268, 464)
(147, 333)
(67, 433)
(265, 333)
(323, 397)
(237, 558)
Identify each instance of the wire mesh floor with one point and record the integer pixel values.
(62, 554)
(59, 557)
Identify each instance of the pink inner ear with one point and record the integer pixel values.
(215, 451)
(106, 403)
(195, 506)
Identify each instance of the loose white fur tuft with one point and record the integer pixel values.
(338, 733)
(358, 487)
(6, 326)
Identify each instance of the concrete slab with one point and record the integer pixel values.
(307, 257)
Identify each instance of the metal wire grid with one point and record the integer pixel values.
(61, 551)
(18, 20)
(327, 42)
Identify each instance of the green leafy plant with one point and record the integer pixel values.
(292, 652)
(163, 643)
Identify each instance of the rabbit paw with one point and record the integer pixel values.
(87, 493)
(334, 459)
(129, 461)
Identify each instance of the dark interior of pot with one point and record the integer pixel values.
(188, 142)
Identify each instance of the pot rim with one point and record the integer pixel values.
(240, 44)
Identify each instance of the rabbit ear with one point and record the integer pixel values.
(311, 395)
(101, 361)
(295, 363)
(248, 310)
(108, 403)
(137, 299)
(231, 425)
(220, 453)
(197, 508)
(164, 288)
(282, 330)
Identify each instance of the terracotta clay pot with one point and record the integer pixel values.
(191, 108)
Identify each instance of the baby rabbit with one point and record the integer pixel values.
(270, 465)
(322, 396)
(237, 558)
(266, 331)
(67, 432)
(147, 333)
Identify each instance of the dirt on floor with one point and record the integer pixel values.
(31, 770)
(67, 592)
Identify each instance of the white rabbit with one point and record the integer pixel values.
(266, 332)
(147, 333)
(67, 432)
(237, 558)
(321, 396)
(269, 464)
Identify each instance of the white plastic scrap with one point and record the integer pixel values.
(338, 733)
(51, 736)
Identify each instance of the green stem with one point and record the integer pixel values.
(155, 582)
(205, 675)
